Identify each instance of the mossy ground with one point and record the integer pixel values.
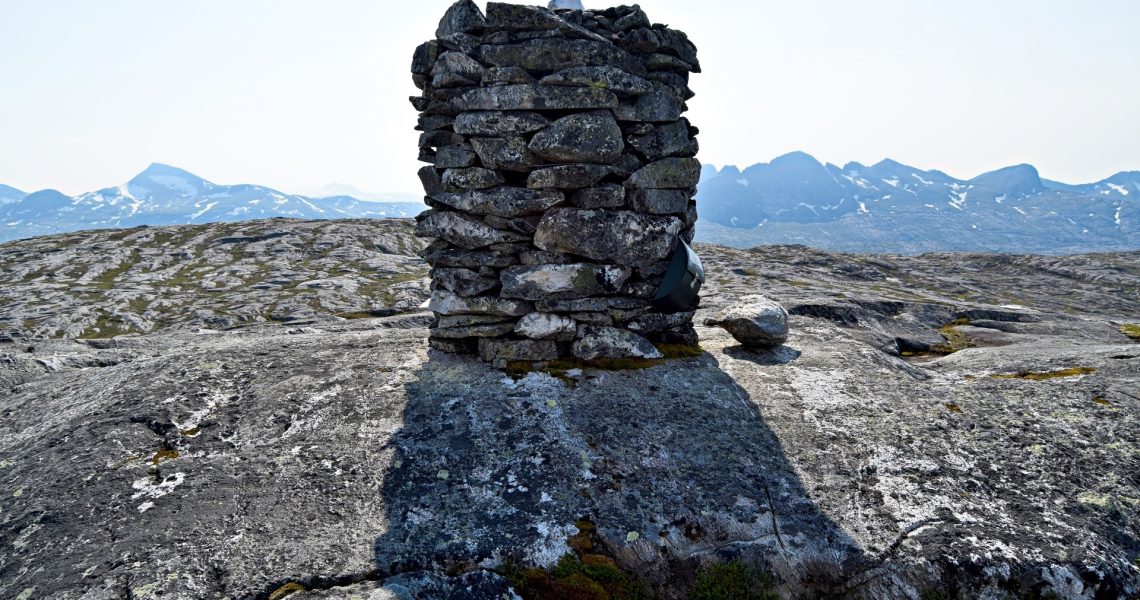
(956, 341)
(584, 574)
(561, 368)
(735, 580)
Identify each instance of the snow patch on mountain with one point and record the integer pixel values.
(1119, 189)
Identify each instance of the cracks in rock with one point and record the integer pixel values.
(876, 564)
(775, 525)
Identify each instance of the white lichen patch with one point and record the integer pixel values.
(551, 543)
(147, 488)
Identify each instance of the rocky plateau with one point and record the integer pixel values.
(251, 410)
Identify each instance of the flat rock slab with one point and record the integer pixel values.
(230, 465)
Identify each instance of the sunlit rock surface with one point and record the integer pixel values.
(342, 457)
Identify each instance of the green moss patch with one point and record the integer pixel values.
(1044, 375)
(560, 368)
(734, 580)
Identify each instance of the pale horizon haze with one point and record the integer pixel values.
(297, 94)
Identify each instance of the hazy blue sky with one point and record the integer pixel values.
(302, 93)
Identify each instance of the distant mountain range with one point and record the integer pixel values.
(891, 207)
(165, 195)
(886, 207)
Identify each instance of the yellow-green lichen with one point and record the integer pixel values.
(285, 590)
(1045, 375)
(1132, 330)
(1095, 499)
(956, 341)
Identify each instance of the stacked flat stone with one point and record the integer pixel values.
(561, 182)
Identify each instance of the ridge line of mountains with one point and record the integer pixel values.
(794, 199)
(166, 195)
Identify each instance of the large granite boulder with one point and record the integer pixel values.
(755, 321)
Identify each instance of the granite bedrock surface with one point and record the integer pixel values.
(345, 458)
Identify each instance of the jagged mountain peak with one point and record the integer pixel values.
(730, 171)
(163, 194)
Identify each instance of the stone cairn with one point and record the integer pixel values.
(561, 182)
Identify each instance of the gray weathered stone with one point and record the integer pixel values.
(429, 177)
(554, 54)
(464, 282)
(660, 202)
(546, 326)
(470, 259)
(491, 350)
(424, 57)
(462, 17)
(659, 106)
(471, 178)
(755, 321)
(590, 137)
(610, 78)
(506, 202)
(521, 17)
(549, 282)
(567, 177)
(669, 173)
(434, 122)
(540, 257)
(447, 303)
(677, 43)
(595, 342)
(435, 139)
(499, 123)
(534, 97)
(505, 154)
(506, 75)
(490, 330)
(458, 65)
(620, 237)
(466, 320)
(463, 231)
(664, 141)
(605, 196)
(455, 157)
